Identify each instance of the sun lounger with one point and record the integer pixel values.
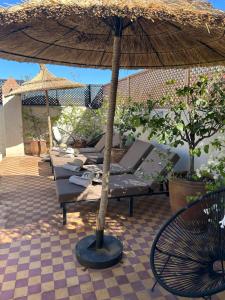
(60, 161)
(142, 182)
(128, 164)
(97, 158)
(88, 158)
(96, 149)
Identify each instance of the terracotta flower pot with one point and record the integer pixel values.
(179, 190)
(79, 144)
(117, 154)
(38, 147)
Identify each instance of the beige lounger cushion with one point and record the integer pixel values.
(155, 164)
(94, 158)
(126, 185)
(120, 185)
(67, 192)
(61, 173)
(130, 161)
(98, 157)
(97, 148)
(115, 169)
(135, 155)
(88, 150)
(86, 158)
(53, 152)
(59, 161)
(100, 145)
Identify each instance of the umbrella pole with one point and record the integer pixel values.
(100, 222)
(49, 121)
(99, 251)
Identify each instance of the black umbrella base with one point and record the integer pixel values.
(89, 256)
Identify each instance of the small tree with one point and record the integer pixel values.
(124, 115)
(82, 123)
(198, 114)
(35, 127)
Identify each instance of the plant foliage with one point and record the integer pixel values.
(198, 114)
(82, 123)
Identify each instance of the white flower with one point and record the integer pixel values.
(215, 176)
(198, 173)
(222, 222)
(215, 207)
(210, 162)
(206, 211)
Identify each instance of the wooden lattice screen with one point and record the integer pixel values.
(153, 83)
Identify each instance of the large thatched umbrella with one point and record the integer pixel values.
(109, 33)
(45, 81)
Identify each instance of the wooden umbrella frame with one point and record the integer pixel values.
(109, 132)
(49, 120)
(102, 251)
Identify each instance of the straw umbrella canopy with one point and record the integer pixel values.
(156, 33)
(131, 34)
(46, 81)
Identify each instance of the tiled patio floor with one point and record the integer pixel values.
(37, 253)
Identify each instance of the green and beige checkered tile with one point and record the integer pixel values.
(37, 253)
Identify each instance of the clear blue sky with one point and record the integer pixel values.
(22, 70)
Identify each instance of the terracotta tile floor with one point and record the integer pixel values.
(37, 253)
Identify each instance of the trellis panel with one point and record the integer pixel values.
(90, 96)
(135, 88)
(153, 84)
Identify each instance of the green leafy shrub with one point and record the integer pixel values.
(123, 123)
(197, 115)
(82, 123)
(35, 127)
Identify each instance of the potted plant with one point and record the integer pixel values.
(196, 115)
(35, 132)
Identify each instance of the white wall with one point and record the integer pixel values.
(2, 131)
(13, 123)
(11, 133)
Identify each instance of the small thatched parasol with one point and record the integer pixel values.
(46, 81)
(109, 33)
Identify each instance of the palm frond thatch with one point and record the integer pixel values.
(157, 33)
(194, 12)
(45, 81)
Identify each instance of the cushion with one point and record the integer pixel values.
(120, 185)
(155, 165)
(135, 154)
(61, 173)
(59, 161)
(88, 150)
(96, 158)
(115, 169)
(68, 192)
(127, 185)
(77, 180)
